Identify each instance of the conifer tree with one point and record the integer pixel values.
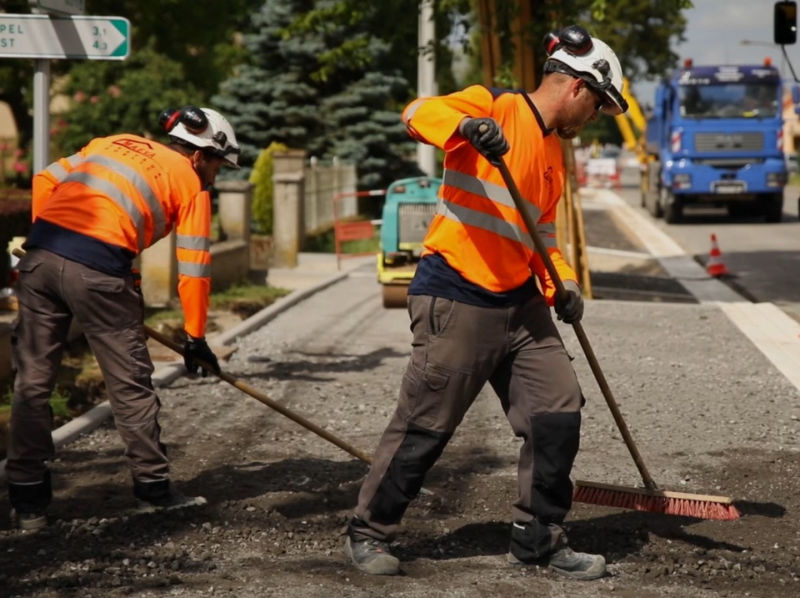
(272, 96)
(350, 110)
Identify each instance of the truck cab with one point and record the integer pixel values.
(715, 137)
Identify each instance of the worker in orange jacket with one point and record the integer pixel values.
(479, 305)
(93, 213)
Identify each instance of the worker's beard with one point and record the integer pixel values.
(572, 129)
(568, 132)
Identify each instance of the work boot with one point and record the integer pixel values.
(545, 544)
(29, 502)
(370, 555)
(162, 495)
(571, 564)
(28, 522)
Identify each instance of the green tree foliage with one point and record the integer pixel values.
(272, 96)
(395, 22)
(261, 177)
(368, 134)
(641, 32)
(113, 97)
(200, 36)
(291, 91)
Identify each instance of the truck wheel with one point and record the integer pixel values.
(655, 202)
(395, 295)
(773, 208)
(672, 207)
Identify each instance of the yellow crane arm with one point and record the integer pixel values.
(633, 115)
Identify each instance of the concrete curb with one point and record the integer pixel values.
(166, 374)
(671, 256)
(170, 372)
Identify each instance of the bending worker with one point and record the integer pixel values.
(93, 213)
(477, 315)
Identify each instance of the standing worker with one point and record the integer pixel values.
(477, 314)
(93, 213)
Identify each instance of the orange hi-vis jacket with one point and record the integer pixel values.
(477, 227)
(128, 192)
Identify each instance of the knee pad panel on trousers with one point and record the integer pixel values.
(556, 437)
(31, 498)
(416, 454)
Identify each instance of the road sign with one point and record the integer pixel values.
(66, 7)
(40, 36)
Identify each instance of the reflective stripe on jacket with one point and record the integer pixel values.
(477, 228)
(129, 192)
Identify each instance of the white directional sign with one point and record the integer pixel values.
(41, 36)
(67, 7)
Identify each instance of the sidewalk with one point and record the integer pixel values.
(314, 272)
(313, 269)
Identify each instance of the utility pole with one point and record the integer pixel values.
(426, 77)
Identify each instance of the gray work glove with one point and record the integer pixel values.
(486, 136)
(196, 350)
(569, 307)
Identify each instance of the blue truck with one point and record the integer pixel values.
(714, 137)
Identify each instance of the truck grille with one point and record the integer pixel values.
(729, 142)
(414, 220)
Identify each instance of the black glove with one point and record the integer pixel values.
(486, 136)
(196, 350)
(569, 306)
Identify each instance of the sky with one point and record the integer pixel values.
(714, 33)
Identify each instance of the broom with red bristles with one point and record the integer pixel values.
(650, 498)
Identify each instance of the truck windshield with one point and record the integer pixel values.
(729, 100)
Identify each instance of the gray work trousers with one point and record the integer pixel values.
(456, 349)
(109, 310)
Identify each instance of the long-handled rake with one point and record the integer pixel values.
(295, 417)
(650, 498)
(260, 396)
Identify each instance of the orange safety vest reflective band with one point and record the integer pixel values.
(130, 192)
(477, 227)
(498, 226)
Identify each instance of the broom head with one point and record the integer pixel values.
(701, 506)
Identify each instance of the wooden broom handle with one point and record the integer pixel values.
(579, 332)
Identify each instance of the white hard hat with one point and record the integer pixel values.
(202, 128)
(574, 52)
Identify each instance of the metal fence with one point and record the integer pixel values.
(322, 182)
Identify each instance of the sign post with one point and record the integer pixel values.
(63, 7)
(74, 37)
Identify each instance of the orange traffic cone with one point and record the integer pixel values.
(715, 267)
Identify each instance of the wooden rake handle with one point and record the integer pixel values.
(296, 417)
(541, 249)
